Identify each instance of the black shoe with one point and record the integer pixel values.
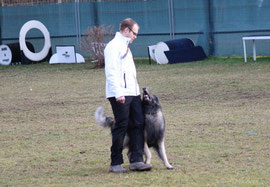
(140, 166)
(117, 169)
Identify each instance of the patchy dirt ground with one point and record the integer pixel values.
(217, 117)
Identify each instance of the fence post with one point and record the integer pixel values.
(95, 12)
(210, 33)
(171, 20)
(78, 23)
(1, 24)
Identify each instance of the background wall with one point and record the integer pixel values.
(216, 25)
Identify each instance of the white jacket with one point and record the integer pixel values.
(120, 69)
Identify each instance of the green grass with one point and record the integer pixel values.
(217, 117)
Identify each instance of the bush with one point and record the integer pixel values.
(94, 42)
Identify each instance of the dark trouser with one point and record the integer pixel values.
(129, 119)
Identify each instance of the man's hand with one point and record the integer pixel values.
(121, 99)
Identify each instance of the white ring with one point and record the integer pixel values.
(47, 45)
(159, 53)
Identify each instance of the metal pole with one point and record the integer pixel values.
(169, 10)
(76, 20)
(78, 24)
(171, 20)
(1, 25)
(210, 27)
(95, 12)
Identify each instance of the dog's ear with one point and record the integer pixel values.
(155, 99)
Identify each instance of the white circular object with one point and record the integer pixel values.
(33, 24)
(5, 55)
(159, 53)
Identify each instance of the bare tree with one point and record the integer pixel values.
(94, 41)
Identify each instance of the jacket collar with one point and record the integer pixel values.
(122, 38)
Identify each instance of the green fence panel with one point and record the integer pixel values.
(216, 25)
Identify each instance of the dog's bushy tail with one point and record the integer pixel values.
(102, 119)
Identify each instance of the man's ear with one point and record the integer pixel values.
(126, 30)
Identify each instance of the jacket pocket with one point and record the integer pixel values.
(125, 80)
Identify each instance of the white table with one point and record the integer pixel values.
(253, 38)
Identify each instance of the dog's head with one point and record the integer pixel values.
(149, 99)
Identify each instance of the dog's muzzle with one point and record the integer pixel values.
(146, 94)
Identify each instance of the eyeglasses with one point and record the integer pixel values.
(134, 33)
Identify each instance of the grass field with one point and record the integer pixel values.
(217, 115)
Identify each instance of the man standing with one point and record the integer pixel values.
(122, 90)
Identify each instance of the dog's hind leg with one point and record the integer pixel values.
(162, 154)
(147, 153)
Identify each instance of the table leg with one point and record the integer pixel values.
(254, 50)
(245, 53)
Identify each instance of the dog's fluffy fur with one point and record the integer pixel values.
(154, 129)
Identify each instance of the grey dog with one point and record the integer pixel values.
(154, 129)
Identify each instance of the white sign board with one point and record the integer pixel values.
(66, 54)
(5, 55)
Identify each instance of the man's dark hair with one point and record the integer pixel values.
(127, 23)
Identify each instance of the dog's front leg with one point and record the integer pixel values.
(147, 153)
(163, 156)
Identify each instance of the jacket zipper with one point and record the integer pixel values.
(136, 83)
(125, 80)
